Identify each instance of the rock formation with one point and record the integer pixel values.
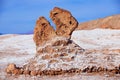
(65, 24)
(52, 45)
(111, 22)
(10, 68)
(64, 21)
(43, 31)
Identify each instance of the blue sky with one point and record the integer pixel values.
(19, 16)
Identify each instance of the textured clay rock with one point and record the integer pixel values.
(60, 42)
(111, 22)
(65, 24)
(10, 68)
(64, 21)
(51, 45)
(16, 71)
(43, 31)
(33, 73)
(26, 72)
(53, 61)
(46, 57)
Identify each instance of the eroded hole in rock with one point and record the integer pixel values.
(70, 22)
(55, 14)
(44, 24)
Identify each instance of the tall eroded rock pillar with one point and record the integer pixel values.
(43, 32)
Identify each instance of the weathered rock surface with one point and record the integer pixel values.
(64, 21)
(52, 56)
(10, 68)
(65, 24)
(111, 22)
(43, 31)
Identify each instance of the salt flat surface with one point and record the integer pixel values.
(19, 49)
(20, 42)
(16, 48)
(97, 38)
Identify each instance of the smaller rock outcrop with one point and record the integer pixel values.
(64, 21)
(10, 68)
(43, 31)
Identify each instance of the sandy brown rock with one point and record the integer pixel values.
(64, 54)
(66, 59)
(16, 72)
(64, 21)
(43, 31)
(51, 46)
(56, 55)
(53, 61)
(60, 42)
(10, 68)
(26, 72)
(48, 49)
(34, 73)
(46, 57)
(111, 22)
(65, 24)
(39, 72)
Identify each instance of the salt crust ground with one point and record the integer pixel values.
(16, 48)
(20, 48)
(97, 38)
